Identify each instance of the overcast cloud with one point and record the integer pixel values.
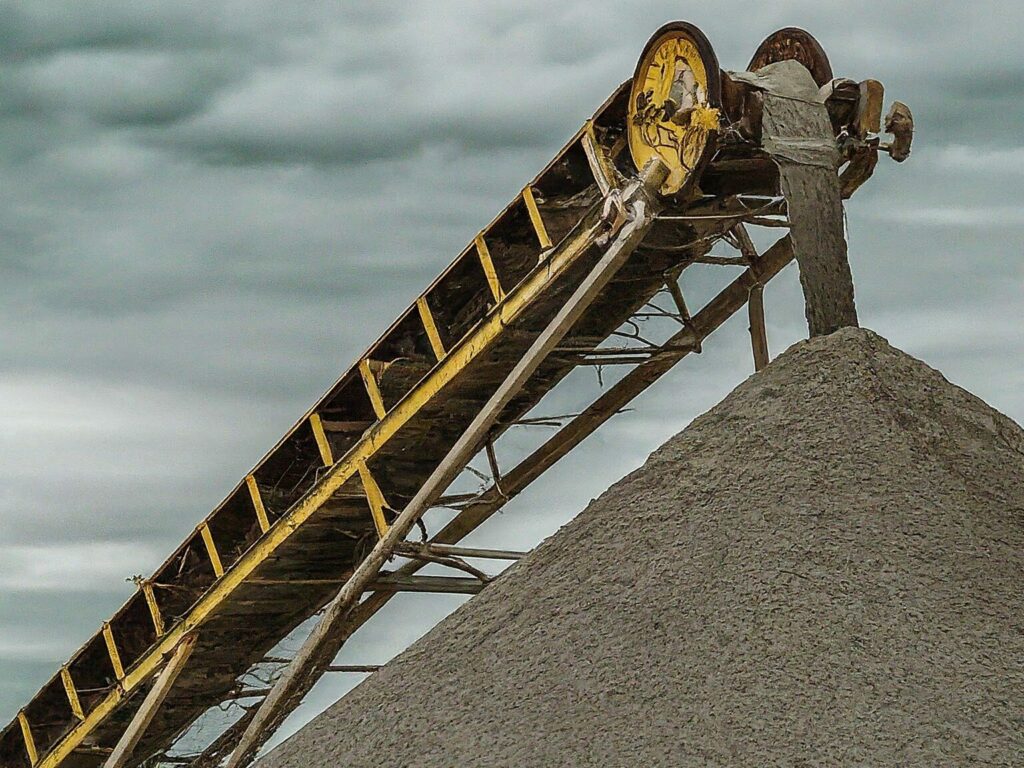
(208, 209)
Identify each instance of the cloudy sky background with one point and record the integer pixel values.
(207, 210)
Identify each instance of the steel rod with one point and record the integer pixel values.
(454, 551)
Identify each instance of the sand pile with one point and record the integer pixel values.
(825, 569)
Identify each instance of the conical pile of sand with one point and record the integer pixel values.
(825, 569)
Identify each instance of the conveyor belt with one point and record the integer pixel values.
(293, 532)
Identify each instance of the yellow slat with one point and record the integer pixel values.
(460, 356)
(154, 608)
(427, 317)
(374, 498)
(211, 549)
(538, 222)
(30, 744)
(72, 692)
(326, 456)
(602, 170)
(370, 382)
(257, 501)
(488, 266)
(115, 657)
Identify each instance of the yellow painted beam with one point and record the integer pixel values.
(488, 266)
(427, 317)
(604, 174)
(257, 500)
(115, 657)
(322, 444)
(30, 744)
(460, 356)
(154, 607)
(132, 735)
(211, 549)
(72, 692)
(374, 498)
(538, 222)
(370, 382)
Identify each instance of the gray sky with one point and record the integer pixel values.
(208, 209)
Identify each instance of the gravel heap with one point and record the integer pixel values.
(827, 568)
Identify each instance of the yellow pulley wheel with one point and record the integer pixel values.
(674, 104)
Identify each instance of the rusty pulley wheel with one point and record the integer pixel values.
(793, 44)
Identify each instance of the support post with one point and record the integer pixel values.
(492, 462)
(755, 299)
(758, 332)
